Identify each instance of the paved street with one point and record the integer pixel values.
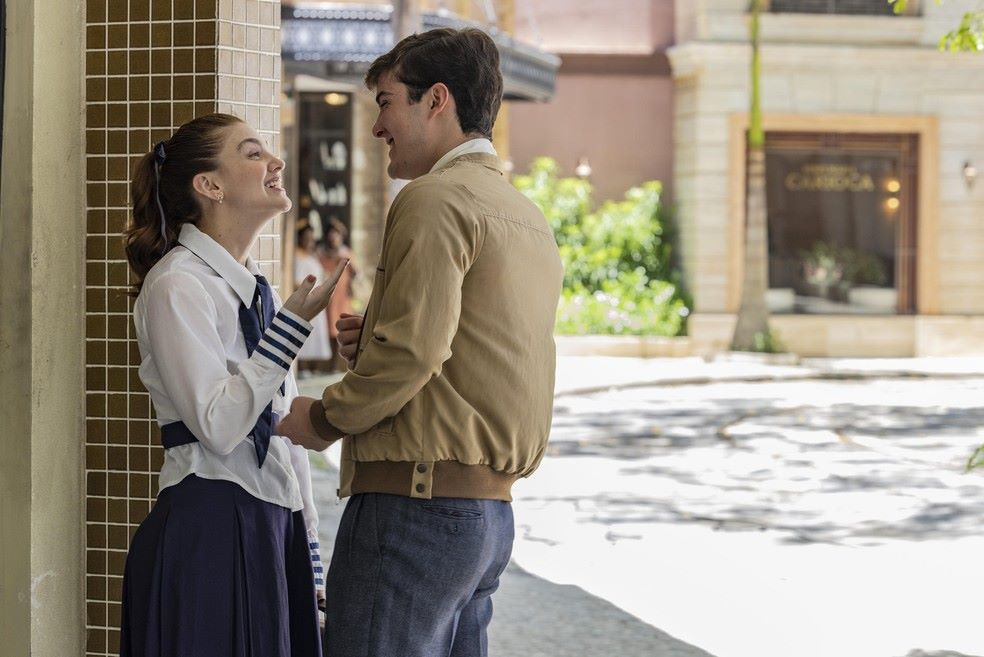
(800, 518)
(535, 617)
(778, 518)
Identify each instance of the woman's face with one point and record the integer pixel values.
(250, 176)
(306, 240)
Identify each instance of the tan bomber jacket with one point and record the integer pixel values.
(452, 391)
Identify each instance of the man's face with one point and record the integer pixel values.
(405, 128)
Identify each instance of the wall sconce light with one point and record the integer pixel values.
(969, 174)
(508, 166)
(583, 169)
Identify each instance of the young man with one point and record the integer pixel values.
(449, 397)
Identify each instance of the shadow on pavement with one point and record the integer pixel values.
(835, 473)
(537, 618)
(533, 617)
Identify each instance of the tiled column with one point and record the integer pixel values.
(151, 65)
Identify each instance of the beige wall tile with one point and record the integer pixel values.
(151, 89)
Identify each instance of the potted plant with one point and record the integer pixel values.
(822, 268)
(867, 276)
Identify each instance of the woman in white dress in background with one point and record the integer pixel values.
(315, 355)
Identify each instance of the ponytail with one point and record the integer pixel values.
(161, 193)
(145, 243)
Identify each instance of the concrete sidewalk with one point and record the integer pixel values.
(533, 617)
(586, 374)
(536, 617)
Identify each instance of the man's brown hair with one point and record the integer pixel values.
(467, 61)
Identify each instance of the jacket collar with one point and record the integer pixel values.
(472, 146)
(484, 159)
(241, 279)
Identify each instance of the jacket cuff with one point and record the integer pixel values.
(325, 429)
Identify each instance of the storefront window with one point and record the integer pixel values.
(324, 159)
(842, 219)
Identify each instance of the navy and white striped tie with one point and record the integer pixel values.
(253, 321)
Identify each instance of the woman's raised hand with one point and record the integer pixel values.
(308, 300)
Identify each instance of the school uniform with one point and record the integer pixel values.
(227, 562)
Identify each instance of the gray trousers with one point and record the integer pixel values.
(414, 578)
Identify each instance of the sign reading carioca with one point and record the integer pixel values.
(829, 178)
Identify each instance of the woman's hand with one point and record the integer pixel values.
(308, 300)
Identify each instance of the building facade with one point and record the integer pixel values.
(613, 107)
(873, 139)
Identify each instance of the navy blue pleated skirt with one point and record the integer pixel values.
(216, 572)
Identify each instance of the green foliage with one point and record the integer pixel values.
(863, 268)
(968, 36)
(976, 459)
(822, 266)
(756, 133)
(769, 343)
(619, 278)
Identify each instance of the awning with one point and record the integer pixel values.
(341, 42)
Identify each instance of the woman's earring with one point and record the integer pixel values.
(221, 197)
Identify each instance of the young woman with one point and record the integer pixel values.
(226, 564)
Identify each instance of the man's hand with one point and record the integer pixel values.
(349, 329)
(297, 425)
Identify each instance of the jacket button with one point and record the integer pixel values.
(421, 468)
(420, 488)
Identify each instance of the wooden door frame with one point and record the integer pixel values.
(927, 220)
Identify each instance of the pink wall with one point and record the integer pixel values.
(622, 123)
(593, 26)
(614, 100)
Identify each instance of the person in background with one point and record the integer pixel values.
(315, 355)
(337, 251)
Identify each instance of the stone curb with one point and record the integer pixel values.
(854, 375)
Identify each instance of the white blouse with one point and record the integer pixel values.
(195, 366)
